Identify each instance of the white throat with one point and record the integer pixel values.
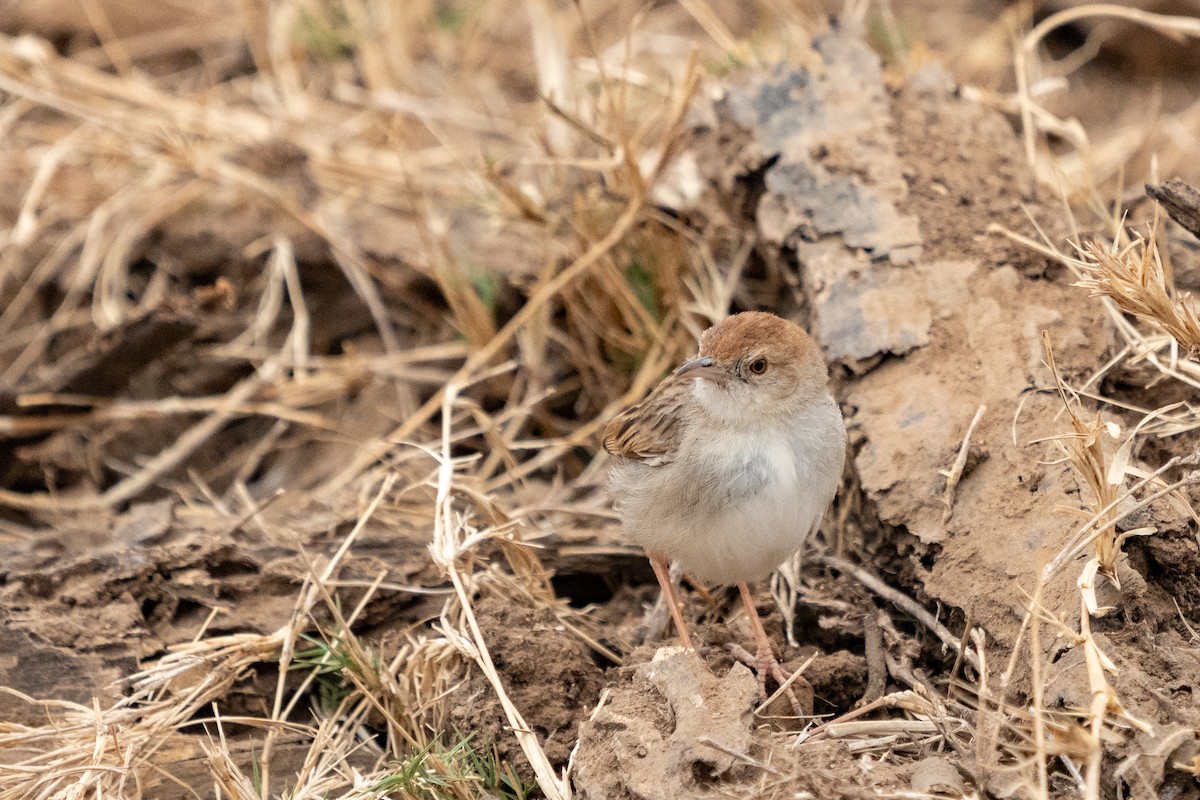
(735, 404)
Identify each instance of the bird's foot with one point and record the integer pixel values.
(765, 664)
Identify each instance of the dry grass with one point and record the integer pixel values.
(1086, 165)
(1126, 272)
(495, 178)
(518, 163)
(1134, 278)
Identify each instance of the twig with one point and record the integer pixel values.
(876, 666)
(530, 310)
(445, 550)
(839, 730)
(954, 474)
(901, 601)
(165, 461)
(907, 699)
(745, 758)
(786, 684)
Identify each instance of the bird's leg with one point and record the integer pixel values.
(662, 572)
(764, 661)
(654, 623)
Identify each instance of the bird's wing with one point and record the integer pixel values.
(652, 430)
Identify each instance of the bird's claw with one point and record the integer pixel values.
(764, 664)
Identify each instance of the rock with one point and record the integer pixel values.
(655, 736)
(938, 775)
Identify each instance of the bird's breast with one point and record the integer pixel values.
(737, 502)
(743, 472)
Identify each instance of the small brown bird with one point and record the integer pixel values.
(729, 464)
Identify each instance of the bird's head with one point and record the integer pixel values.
(756, 365)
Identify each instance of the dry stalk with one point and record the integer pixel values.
(1084, 448)
(228, 777)
(143, 127)
(98, 749)
(783, 687)
(101, 750)
(452, 539)
(1134, 278)
(1027, 67)
(1129, 277)
(1036, 656)
(106, 411)
(907, 700)
(1087, 455)
(545, 293)
(954, 474)
(165, 146)
(161, 463)
(905, 604)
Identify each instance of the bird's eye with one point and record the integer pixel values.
(758, 366)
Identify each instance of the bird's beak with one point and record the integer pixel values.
(698, 368)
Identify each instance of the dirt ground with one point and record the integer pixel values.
(306, 344)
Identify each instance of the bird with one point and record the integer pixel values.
(730, 463)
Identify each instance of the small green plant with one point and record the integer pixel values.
(889, 37)
(415, 777)
(642, 283)
(726, 65)
(256, 776)
(487, 288)
(330, 662)
(327, 36)
(437, 772)
(499, 778)
(450, 17)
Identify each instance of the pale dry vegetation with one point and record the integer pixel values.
(396, 264)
